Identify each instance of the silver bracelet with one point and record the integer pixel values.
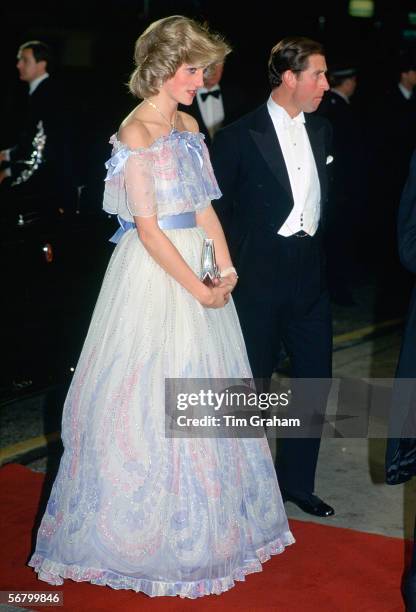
(227, 271)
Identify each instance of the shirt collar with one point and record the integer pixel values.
(341, 95)
(34, 84)
(280, 115)
(407, 94)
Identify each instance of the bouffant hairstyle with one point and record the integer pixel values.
(291, 54)
(166, 45)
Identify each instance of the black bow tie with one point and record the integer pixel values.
(216, 93)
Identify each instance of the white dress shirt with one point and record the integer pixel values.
(33, 84)
(406, 93)
(301, 168)
(212, 109)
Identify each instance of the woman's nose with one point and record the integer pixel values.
(199, 78)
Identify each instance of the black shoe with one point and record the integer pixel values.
(311, 505)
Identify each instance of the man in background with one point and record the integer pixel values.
(217, 104)
(37, 169)
(393, 134)
(346, 190)
(271, 169)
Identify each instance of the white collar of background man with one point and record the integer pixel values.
(36, 82)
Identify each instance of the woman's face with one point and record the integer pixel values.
(183, 85)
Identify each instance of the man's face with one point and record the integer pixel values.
(215, 76)
(311, 85)
(29, 69)
(411, 78)
(351, 85)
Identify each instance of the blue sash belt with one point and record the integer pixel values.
(181, 221)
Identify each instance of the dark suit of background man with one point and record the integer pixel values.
(37, 173)
(400, 104)
(393, 145)
(401, 444)
(345, 202)
(271, 168)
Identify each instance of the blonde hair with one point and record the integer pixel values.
(167, 44)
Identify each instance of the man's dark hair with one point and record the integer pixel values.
(41, 51)
(406, 61)
(291, 53)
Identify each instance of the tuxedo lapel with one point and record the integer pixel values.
(317, 139)
(264, 135)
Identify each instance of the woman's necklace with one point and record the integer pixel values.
(153, 105)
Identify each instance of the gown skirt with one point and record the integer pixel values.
(131, 508)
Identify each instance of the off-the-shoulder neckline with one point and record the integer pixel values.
(158, 141)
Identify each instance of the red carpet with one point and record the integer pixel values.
(327, 570)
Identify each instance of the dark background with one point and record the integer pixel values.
(48, 307)
(94, 42)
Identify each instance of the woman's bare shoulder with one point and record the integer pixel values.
(134, 133)
(189, 122)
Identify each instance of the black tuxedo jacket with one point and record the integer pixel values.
(43, 105)
(252, 175)
(347, 145)
(53, 183)
(394, 144)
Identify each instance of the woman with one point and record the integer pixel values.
(131, 508)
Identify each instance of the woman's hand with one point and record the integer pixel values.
(217, 296)
(231, 280)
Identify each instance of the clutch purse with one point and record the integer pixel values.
(209, 268)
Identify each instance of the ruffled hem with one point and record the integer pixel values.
(55, 573)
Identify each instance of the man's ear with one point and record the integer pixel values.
(289, 78)
(42, 65)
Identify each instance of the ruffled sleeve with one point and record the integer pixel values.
(140, 186)
(174, 175)
(129, 185)
(210, 182)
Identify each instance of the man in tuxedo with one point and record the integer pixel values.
(216, 104)
(271, 168)
(399, 105)
(36, 171)
(209, 104)
(407, 78)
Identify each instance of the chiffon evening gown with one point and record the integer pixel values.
(131, 508)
